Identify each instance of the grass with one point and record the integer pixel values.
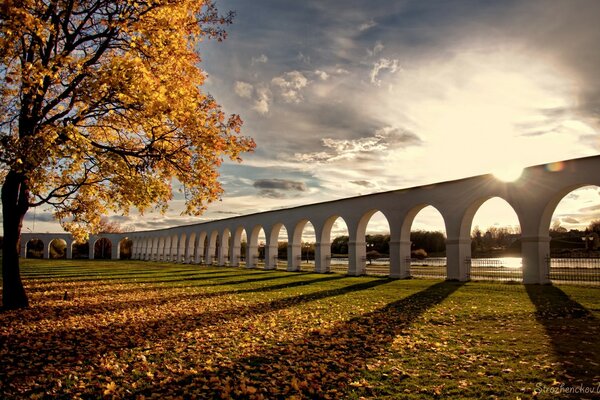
(143, 330)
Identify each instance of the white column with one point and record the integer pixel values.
(535, 251)
(322, 257)
(400, 259)
(294, 256)
(357, 253)
(458, 254)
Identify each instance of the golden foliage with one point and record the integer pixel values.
(101, 107)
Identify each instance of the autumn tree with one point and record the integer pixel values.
(101, 109)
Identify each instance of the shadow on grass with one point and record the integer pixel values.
(574, 333)
(323, 364)
(64, 349)
(67, 310)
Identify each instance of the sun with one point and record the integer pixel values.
(508, 173)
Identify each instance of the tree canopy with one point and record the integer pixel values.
(101, 109)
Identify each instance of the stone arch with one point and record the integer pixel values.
(102, 248)
(552, 204)
(573, 254)
(253, 251)
(484, 264)
(156, 242)
(200, 248)
(125, 246)
(223, 250)
(181, 248)
(435, 268)
(236, 253)
(272, 246)
(57, 248)
(160, 249)
(323, 234)
(81, 250)
(376, 260)
(190, 248)
(210, 256)
(298, 246)
(35, 248)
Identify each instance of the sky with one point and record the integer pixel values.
(350, 97)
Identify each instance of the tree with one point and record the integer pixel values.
(101, 109)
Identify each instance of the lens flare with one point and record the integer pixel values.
(555, 166)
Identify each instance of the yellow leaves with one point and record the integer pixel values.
(111, 388)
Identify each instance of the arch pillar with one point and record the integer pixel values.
(23, 249)
(69, 249)
(251, 254)
(235, 248)
(271, 252)
(400, 259)
(223, 251)
(294, 256)
(535, 251)
(458, 253)
(115, 250)
(357, 253)
(322, 257)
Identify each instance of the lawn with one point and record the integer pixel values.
(102, 329)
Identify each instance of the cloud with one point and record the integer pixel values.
(363, 183)
(243, 89)
(262, 59)
(263, 101)
(280, 184)
(279, 188)
(383, 64)
(378, 48)
(383, 139)
(367, 25)
(322, 75)
(290, 85)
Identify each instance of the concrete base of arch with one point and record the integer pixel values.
(400, 259)
(458, 254)
(535, 252)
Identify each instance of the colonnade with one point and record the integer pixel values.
(533, 197)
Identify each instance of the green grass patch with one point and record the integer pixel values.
(114, 329)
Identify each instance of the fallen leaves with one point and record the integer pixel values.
(219, 337)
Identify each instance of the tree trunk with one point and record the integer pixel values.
(15, 202)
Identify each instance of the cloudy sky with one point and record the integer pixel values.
(349, 97)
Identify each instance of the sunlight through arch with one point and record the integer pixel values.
(427, 246)
(496, 242)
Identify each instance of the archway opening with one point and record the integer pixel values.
(102, 249)
(255, 247)
(125, 249)
(57, 249)
(308, 241)
(377, 243)
(575, 238)
(190, 252)
(34, 249)
(243, 247)
(496, 243)
(281, 256)
(81, 250)
(338, 235)
(224, 246)
(428, 244)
